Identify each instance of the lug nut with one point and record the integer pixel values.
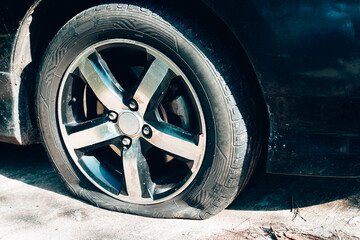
(113, 116)
(126, 141)
(133, 105)
(147, 131)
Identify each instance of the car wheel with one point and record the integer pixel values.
(136, 117)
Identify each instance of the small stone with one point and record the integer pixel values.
(354, 220)
(77, 215)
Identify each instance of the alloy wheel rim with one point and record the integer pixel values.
(132, 123)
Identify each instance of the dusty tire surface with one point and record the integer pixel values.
(227, 161)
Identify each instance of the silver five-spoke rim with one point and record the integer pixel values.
(139, 137)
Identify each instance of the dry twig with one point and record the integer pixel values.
(296, 210)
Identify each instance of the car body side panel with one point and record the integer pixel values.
(15, 126)
(5, 46)
(7, 125)
(306, 55)
(12, 13)
(7, 33)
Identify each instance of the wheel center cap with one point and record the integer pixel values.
(129, 123)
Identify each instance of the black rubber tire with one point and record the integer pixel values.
(226, 166)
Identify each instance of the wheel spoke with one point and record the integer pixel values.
(87, 134)
(101, 81)
(137, 173)
(177, 142)
(153, 85)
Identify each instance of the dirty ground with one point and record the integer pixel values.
(35, 205)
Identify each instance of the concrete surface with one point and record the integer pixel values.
(35, 205)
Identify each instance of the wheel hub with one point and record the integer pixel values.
(129, 123)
